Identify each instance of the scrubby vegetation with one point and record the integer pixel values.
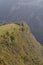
(18, 46)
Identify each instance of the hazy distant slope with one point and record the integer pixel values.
(18, 46)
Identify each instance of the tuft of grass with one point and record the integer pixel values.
(18, 46)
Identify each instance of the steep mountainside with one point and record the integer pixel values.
(18, 46)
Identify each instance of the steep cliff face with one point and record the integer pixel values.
(18, 46)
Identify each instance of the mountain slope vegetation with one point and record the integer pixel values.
(18, 46)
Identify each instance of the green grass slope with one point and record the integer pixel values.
(18, 46)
